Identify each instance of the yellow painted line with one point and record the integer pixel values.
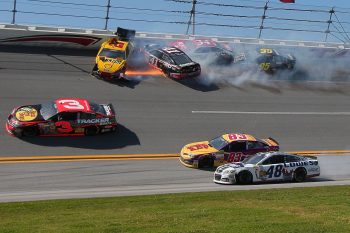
(80, 158)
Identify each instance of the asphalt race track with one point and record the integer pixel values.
(159, 115)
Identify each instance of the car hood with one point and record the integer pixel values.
(198, 148)
(110, 65)
(27, 113)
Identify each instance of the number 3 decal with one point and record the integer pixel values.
(63, 127)
(71, 104)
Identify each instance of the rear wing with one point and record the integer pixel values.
(125, 34)
(310, 157)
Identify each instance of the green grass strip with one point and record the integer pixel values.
(321, 209)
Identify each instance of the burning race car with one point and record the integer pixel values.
(173, 62)
(262, 167)
(227, 148)
(62, 117)
(112, 58)
(271, 61)
(208, 50)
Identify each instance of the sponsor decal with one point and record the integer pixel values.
(107, 110)
(296, 164)
(26, 114)
(198, 147)
(111, 60)
(93, 121)
(75, 39)
(79, 130)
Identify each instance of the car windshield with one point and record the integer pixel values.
(180, 58)
(254, 159)
(112, 53)
(48, 110)
(97, 108)
(218, 143)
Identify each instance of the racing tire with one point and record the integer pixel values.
(206, 162)
(299, 175)
(91, 131)
(30, 131)
(244, 177)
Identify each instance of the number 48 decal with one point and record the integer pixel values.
(274, 172)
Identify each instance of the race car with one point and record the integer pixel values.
(262, 167)
(62, 117)
(208, 50)
(232, 147)
(112, 58)
(173, 62)
(271, 61)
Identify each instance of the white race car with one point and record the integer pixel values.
(274, 166)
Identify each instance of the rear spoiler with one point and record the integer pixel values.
(310, 157)
(125, 34)
(109, 109)
(273, 140)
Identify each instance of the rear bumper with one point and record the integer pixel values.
(185, 75)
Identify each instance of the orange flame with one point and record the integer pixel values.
(152, 72)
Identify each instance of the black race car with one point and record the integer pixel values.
(62, 117)
(173, 62)
(270, 61)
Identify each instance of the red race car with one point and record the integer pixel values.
(62, 117)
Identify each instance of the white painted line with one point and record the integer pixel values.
(275, 113)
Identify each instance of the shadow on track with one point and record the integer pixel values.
(194, 84)
(122, 138)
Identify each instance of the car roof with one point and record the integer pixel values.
(72, 105)
(171, 50)
(115, 44)
(231, 137)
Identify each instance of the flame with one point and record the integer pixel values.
(152, 72)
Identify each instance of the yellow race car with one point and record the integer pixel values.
(112, 58)
(227, 148)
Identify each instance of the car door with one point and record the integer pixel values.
(66, 122)
(235, 151)
(271, 168)
(154, 57)
(254, 147)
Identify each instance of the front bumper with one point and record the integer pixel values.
(220, 178)
(189, 163)
(12, 130)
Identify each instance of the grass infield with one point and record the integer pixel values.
(321, 209)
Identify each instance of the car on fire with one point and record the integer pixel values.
(209, 51)
(173, 62)
(113, 56)
(264, 167)
(227, 148)
(271, 61)
(62, 117)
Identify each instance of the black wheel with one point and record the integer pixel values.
(206, 162)
(244, 177)
(91, 131)
(299, 175)
(30, 131)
